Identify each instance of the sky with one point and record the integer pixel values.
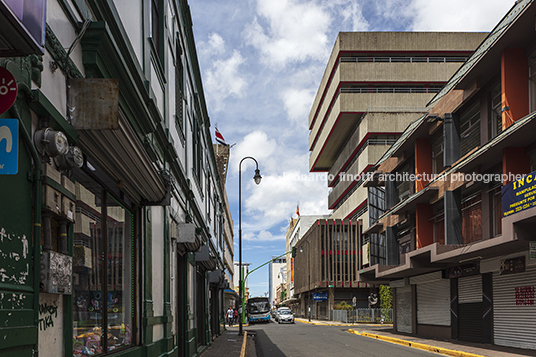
(261, 63)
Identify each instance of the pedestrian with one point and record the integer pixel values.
(235, 314)
(230, 317)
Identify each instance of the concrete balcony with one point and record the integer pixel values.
(371, 153)
(345, 114)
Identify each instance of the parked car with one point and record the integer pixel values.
(283, 308)
(286, 316)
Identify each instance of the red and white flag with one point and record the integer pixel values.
(219, 138)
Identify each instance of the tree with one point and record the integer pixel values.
(386, 297)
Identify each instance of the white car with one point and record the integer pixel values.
(278, 311)
(285, 316)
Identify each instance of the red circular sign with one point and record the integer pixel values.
(8, 90)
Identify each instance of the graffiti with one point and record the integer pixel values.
(12, 301)
(50, 312)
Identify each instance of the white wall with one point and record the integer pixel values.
(51, 325)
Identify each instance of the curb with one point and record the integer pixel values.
(421, 346)
(244, 344)
(340, 324)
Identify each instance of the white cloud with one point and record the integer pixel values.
(477, 15)
(351, 13)
(295, 31)
(297, 104)
(216, 43)
(224, 80)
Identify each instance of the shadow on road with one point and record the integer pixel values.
(265, 347)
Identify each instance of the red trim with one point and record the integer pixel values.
(354, 252)
(325, 90)
(349, 188)
(342, 283)
(416, 51)
(371, 83)
(328, 111)
(357, 209)
(350, 284)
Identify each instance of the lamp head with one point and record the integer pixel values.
(257, 176)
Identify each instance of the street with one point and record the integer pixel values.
(301, 339)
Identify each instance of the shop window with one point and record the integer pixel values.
(103, 272)
(470, 129)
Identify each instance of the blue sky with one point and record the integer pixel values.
(261, 63)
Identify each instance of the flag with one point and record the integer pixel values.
(219, 138)
(298, 210)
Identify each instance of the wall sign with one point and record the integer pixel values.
(463, 270)
(519, 195)
(9, 146)
(320, 296)
(8, 90)
(512, 266)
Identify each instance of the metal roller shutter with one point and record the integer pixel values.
(433, 303)
(514, 322)
(470, 289)
(403, 309)
(470, 322)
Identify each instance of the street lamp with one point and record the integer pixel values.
(257, 179)
(309, 273)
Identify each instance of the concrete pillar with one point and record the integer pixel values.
(423, 162)
(451, 139)
(424, 225)
(515, 162)
(453, 217)
(514, 84)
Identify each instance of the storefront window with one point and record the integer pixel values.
(102, 313)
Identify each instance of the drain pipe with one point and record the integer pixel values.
(37, 217)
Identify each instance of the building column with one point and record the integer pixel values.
(514, 84)
(515, 162)
(424, 225)
(453, 217)
(392, 254)
(423, 162)
(451, 139)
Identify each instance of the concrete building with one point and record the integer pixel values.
(374, 85)
(116, 207)
(277, 275)
(459, 236)
(245, 270)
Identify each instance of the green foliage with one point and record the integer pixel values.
(386, 297)
(342, 306)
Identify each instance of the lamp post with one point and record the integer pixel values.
(308, 273)
(257, 179)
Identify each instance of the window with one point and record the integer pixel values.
(532, 82)
(496, 211)
(437, 155)
(197, 149)
(104, 290)
(179, 91)
(470, 129)
(404, 186)
(472, 218)
(155, 24)
(495, 118)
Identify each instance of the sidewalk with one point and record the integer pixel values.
(229, 344)
(449, 348)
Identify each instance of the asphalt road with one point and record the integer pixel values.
(300, 339)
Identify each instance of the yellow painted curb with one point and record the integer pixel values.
(244, 344)
(341, 324)
(421, 346)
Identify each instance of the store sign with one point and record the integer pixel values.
(532, 250)
(320, 296)
(460, 271)
(512, 266)
(519, 195)
(525, 295)
(8, 90)
(9, 146)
